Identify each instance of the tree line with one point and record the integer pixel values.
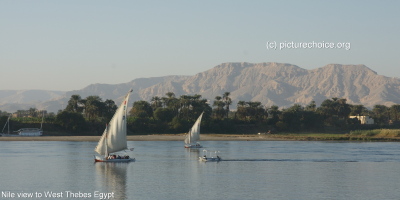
(171, 114)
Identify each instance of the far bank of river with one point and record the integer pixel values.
(371, 135)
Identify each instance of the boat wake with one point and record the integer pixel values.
(283, 160)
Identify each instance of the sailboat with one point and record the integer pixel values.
(5, 125)
(32, 131)
(192, 138)
(24, 131)
(114, 137)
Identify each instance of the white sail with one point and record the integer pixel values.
(114, 137)
(194, 133)
(7, 123)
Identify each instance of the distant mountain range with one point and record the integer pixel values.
(270, 83)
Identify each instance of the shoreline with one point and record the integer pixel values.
(213, 137)
(157, 137)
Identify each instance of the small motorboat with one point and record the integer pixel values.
(212, 157)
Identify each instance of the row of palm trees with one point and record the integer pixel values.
(190, 106)
(221, 105)
(92, 107)
(171, 111)
(186, 106)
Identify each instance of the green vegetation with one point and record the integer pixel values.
(171, 114)
(376, 133)
(357, 135)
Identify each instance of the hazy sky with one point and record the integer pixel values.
(69, 44)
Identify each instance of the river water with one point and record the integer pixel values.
(166, 170)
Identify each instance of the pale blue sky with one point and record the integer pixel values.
(69, 44)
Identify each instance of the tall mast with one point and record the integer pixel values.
(41, 124)
(105, 141)
(7, 124)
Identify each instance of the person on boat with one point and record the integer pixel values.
(119, 157)
(205, 157)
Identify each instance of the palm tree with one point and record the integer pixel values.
(358, 110)
(343, 109)
(155, 102)
(196, 104)
(172, 102)
(110, 108)
(256, 110)
(170, 95)
(141, 109)
(33, 112)
(241, 110)
(169, 101)
(274, 113)
(93, 107)
(228, 101)
(184, 104)
(311, 107)
(219, 112)
(164, 101)
(395, 111)
(333, 107)
(381, 114)
(74, 104)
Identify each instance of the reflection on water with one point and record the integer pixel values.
(249, 170)
(112, 178)
(192, 153)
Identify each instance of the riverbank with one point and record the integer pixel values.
(220, 137)
(158, 137)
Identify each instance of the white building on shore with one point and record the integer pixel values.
(364, 119)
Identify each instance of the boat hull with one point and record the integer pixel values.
(193, 146)
(29, 132)
(212, 159)
(97, 159)
(15, 135)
